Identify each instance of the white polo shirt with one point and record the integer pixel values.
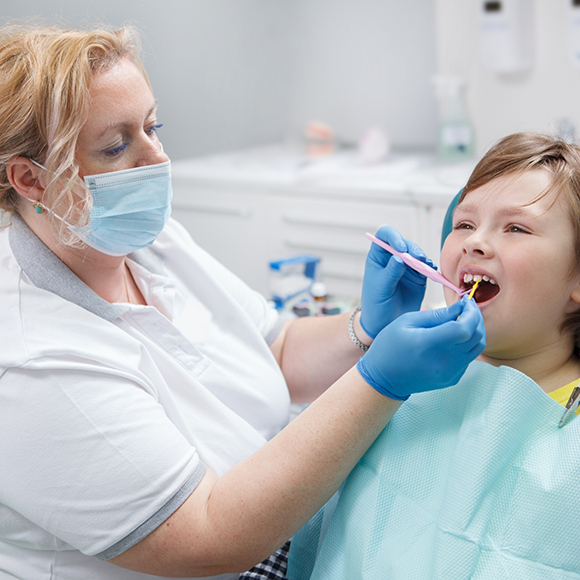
(110, 413)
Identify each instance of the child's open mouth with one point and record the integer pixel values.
(486, 289)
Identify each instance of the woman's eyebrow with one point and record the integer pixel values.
(124, 124)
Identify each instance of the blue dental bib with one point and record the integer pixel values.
(471, 482)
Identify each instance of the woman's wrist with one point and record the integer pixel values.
(357, 333)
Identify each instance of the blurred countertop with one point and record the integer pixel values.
(416, 177)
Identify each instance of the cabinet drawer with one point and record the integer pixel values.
(337, 226)
(230, 226)
(334, 231)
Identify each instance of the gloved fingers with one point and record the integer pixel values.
(470, 329)
(435, 318)
(394, 238)
(471, 318)
(477, 349)
(392, 275)
(397, 272)
(413, 279)
(379, 287)
(458, 324)
(417, 252)
(476, 345)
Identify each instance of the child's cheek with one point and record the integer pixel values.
(450, 296)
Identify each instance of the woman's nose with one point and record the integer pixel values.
(152, 153)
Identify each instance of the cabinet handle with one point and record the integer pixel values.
(324, 248)
(304, 221)
(236, 211)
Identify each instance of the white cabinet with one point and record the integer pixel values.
(335, 231)
(251, 207)
(229, 224)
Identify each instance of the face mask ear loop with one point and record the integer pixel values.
(38, 164)
(39, 208)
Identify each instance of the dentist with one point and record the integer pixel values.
(144, 389)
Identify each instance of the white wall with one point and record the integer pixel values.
(359, 63)
(216, 66)
(231, 74)
(500, 105)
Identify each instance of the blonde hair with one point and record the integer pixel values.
(523, 152)
(45, 74)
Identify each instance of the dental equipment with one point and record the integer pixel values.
(419, 266)
(474, 288)
(571, 405)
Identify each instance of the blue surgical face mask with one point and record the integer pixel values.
(130, 208)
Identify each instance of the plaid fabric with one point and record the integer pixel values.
(273, 568)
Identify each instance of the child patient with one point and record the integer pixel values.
(477, 480)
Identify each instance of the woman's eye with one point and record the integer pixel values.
(152, 130)
(116, 150)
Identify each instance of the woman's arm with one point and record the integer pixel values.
(314, 352)
(231, 523)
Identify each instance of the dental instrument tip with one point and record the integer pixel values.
(474, 289)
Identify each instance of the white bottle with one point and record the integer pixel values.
(456, 138)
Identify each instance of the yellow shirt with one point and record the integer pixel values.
(562, 394)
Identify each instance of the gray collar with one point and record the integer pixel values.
(48, 272)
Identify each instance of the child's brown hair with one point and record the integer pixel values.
(522, 152)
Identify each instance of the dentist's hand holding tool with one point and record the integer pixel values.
(424, 351)
(390, 288)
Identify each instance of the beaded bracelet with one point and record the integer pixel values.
(351, 333)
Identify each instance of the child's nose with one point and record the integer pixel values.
(478, 244)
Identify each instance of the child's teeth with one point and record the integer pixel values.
(475, 277)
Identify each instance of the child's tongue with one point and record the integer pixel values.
(485, 291)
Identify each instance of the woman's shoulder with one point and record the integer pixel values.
(44, 327)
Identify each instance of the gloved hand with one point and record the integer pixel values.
(424, 351)
(390, 288)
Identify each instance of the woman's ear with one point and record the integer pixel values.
(25, 178)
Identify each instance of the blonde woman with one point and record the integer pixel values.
(144, 389)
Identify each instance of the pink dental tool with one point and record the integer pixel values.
(418, 266)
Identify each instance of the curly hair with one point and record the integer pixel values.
(45, 74)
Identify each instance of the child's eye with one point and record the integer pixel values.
(463, 226)
(153, 129)
(517, 230)
(116, 150)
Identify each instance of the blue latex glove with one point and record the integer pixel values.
(424, 351)
(390, 288)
